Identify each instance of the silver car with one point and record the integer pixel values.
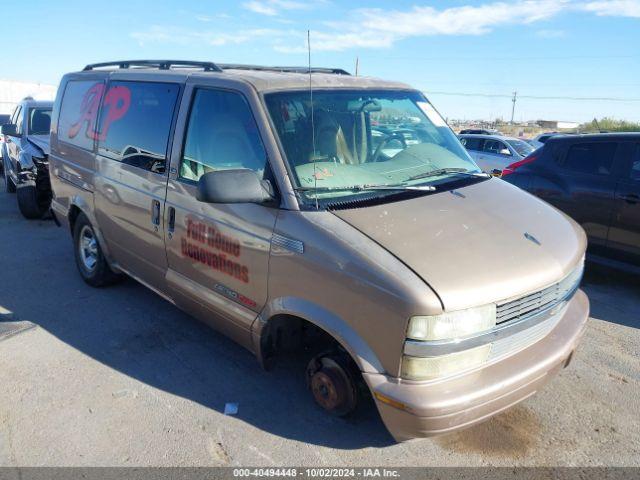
(493, 153)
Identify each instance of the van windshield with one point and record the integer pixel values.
(359, 142)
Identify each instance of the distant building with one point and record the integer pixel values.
(11, 92)
(557, 124)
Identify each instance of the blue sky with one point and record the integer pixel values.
(539, 48)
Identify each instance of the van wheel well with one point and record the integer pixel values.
(287, 334)
(74, 211)
(331, 374)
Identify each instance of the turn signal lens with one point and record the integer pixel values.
(428, 368)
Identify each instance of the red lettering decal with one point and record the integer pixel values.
(208, 236)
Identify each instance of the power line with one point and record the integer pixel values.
(534, 97)
(449, 82)
(484, 58)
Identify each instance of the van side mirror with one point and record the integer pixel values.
(233, 186)
(505, 151)
(9, 129)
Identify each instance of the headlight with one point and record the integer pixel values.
(450, 326)
(453, 325)
(427, 368)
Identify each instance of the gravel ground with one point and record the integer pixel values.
(120, 377)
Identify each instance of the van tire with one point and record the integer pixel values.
(30, 202)
(9, 186)
(92, 265)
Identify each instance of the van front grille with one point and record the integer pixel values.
(518, 341)
(536, 302)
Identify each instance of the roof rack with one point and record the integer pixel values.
(159, 64)
(232, 66)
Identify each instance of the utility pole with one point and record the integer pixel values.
(513, 107)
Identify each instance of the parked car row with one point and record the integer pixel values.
(350, 226)
(536, 142)
(493, 153)
(25, 151)
(595, 179)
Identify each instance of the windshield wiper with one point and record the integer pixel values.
(359, 188)
(444, 171)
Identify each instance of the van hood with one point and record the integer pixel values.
(482, 243)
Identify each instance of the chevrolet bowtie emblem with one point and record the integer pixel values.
(530, 237)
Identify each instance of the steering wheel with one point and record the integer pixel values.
(383, 143)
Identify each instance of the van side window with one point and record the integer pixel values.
(591, 158)
(135, 123)
(221, 134)
(79, 112)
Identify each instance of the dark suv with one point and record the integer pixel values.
(596, 180)
(25, 156)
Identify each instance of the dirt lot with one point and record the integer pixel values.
(120, 377)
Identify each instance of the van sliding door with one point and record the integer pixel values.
(136, 119)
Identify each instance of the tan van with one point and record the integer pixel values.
(334, 216)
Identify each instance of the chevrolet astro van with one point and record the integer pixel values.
(336, 217)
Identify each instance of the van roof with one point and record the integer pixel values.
(263, 78)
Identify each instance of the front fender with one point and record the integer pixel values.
(28, 152)
(322, 318)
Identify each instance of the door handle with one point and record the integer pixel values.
(172, 222)
(630, 198)
(155, 214)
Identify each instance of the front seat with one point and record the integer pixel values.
(221, 144)
(330, 139)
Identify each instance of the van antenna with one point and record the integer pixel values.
(313, 127)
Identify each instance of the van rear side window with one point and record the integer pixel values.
(78, 113)
(135, 123)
